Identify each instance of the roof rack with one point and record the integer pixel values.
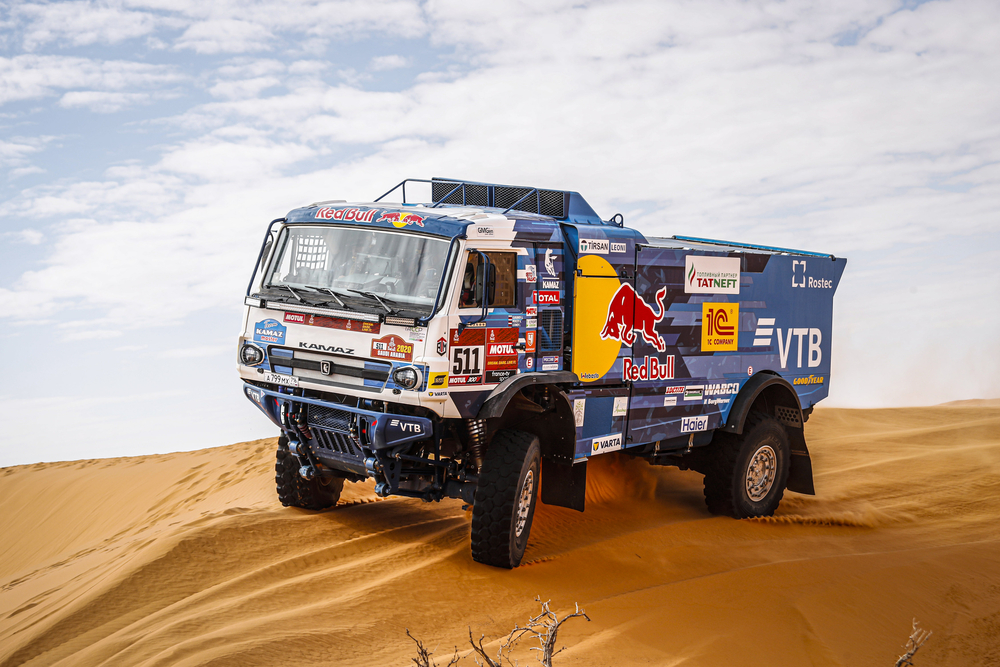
(559, 204)
(751, 246)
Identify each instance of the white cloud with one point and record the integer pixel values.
(102, 101)
(82, 23)
(382, 63)
(226, 36)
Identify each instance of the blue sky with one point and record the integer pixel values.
(145, 145)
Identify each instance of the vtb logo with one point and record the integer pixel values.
(719, 326)
(628, 312)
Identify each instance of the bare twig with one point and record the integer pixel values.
(423, 658)
(481, 652)
(545, 628)
(913, 644)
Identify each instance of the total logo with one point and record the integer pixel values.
(765, 330)
(547, 297)
(399, 219)
(595, 246)
(800, 279)
(628, 312)
(609, 443)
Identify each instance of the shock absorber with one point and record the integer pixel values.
(476, 429)
(302, 425)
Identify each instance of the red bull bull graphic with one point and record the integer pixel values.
(628, 313)
(400, 219)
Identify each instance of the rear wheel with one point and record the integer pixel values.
(745, 475)
(295, 491)
(505, 500)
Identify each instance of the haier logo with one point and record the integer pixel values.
(814, 357)
(694, 424)
(595, 246)
(800, 279)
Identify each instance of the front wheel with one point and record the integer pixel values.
(745, 475)
(294, 491)
(505, 499)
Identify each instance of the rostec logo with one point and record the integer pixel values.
(628, 312)
(351, 214)
(546, 297)
(800, 279)
(609, 443)
(798, 273)
(762, 337)
(595, 246)
(694, 424)
(406, 427)
(500, 348)
(399, 219)
(718, 325)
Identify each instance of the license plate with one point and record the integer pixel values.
(278, 378)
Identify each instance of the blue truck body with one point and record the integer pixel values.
(537, 318)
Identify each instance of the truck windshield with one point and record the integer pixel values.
(403, 269)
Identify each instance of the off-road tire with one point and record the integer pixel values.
(727, 468)
(513, 460)
(294, 491)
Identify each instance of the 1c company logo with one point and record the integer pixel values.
(719, 326)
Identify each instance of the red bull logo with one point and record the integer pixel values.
(628, 313)
(399, 219)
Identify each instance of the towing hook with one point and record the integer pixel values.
(307, 473)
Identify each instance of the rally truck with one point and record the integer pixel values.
(486, 343)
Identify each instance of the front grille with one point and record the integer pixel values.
(334, 443)
(329, 418)
(551, 322)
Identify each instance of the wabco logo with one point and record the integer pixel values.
(406, 427)
(800, 279)
(627, 312)
(765, 330)
(694, 424)
(718, 325)
(711, 275)
(595, 246)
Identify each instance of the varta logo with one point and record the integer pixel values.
(327, 348)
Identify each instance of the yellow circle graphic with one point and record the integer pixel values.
(592, 356)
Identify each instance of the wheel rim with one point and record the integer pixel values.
(524, 502)
(761, 473)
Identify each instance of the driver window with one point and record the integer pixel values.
(469, 297)
(505, 268)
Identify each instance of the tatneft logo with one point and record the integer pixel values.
(608, 443)
(765, 330)
(711, 275)
(800, 279)
(595, 246)
(694, 424)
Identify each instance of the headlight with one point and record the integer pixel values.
(251, 355)
(407, 377)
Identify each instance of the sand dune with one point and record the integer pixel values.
(188, 559)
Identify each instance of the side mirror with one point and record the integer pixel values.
(491, 282)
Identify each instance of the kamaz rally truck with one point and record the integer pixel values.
(486, 344)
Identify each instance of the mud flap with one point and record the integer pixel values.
(800, 470)
(564, 484)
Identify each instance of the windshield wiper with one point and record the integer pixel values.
(327, 290)
(373, 295)
(300, 299)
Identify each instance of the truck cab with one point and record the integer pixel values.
(470, 345)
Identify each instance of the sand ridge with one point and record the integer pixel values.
(188, 559)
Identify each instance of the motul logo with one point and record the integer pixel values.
(497, 349)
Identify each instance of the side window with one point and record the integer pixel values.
(505, 275)
(506, 278)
